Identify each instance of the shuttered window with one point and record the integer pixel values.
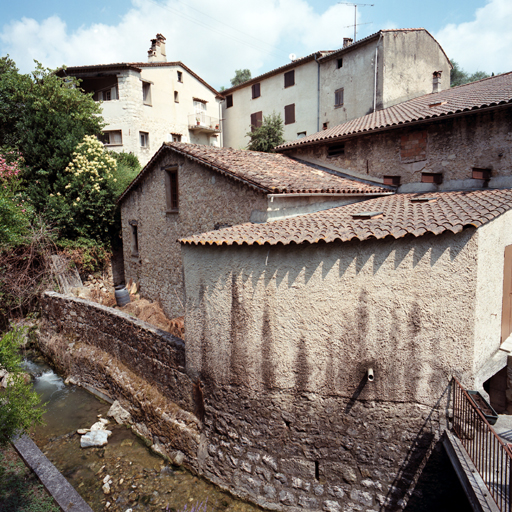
(289, 78)
(256, 91)
(171, 189)
(289, 114)
(229, 100)
(256, 120)
(338, 98)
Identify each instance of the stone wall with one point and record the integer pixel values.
(206, 200)
(451, 147)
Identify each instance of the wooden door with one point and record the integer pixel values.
(506, 312)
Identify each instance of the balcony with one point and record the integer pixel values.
(203, 123)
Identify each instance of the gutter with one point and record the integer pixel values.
(330, 194)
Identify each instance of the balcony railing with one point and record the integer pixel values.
(491, 456)
(203, 123)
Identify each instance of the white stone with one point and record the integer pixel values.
(95, 438)
(106, 479)
(106, 488)
(120, 415)
(82, 431)
(100, 425)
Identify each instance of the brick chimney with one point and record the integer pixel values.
(157, 51)
(347, 41)
(436, 81)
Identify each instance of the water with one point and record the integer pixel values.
(141, 480)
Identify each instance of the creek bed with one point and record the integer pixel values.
(141, 479)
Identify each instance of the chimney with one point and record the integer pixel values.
(436, 81)
(347, 41)
(157, 51)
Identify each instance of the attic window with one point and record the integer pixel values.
(423, 199)
(340, 63)
(325, 125)
(432, 177)
(229, 100)
(481, 174)
(256, 92)
(180, 76)
(367, 215)
(438, 104)
(336, 150)
(289, 78)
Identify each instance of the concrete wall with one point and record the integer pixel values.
(282, 338)
(274, 97)
(452, 147)
(205, 199)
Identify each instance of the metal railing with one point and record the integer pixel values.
(203, 122)
(491, 456)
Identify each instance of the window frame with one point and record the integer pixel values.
(287, 81)
(256, 120)
(144, 136)
(134, 238)
(146, 93)
(176, 97)
(256, 90)
(339, 63)
(337, 93)
(172, 189)
(180, 76)
(105, 133)
(289, 112)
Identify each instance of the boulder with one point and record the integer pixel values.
(95, 438)
(100, 425)
(122, 416)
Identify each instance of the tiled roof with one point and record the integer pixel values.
(269, 173)
(489, 92)
(393, 216)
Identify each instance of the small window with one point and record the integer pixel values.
(338, 98)
(256, 120)
(336, 150)
(144, 139)
(256, 91)
(229, 100)
(301, 135)
(289, 114)
(134, 238)
(146, 93)
(171, 189)
(339, 63)
(176, 138)
(325, 125)
(111, 138)
(180, 76)
(289, 78)
(176, 97)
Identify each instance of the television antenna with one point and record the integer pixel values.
(292, 56)
(355, 15)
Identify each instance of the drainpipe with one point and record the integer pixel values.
(318, 97)
(221, 143)
(375, 74)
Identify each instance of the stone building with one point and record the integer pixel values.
(147, 103)
(327, 88)
(187, 189)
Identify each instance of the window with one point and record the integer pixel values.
(256, 120)
(109, 94)
(146, 93)
(289, 78)
(338, 98)
(171, 189)
(176, 138)
(144, 139)
(325, 125)
(301, 135)
(134, 238)
(256, 91)
(289, 114)
(336, 150)
(180, 76)
(200, 112)
(176, 97)
(111, 138)
(339, 63)
(229, 100)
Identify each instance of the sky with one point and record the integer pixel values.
(214, 38)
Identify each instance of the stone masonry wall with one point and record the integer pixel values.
(451, 146)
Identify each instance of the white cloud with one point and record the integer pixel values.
(255, 35)
(482, 44)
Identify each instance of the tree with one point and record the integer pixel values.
(269, 135)
(241, 76)
(44, 116)
(20, 406)
(460, 77)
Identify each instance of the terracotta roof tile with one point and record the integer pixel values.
(492, 91)
(446, 211)
(270, 173)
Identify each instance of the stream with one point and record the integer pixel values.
(141, 479)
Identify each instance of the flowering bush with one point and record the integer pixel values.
(84, 201)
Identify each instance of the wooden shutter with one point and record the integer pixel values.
(289, 78)
(289, 114)
(256, 120)
(338, 98)
(256, 91)
(229, 100)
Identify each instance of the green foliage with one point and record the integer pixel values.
(45, 116)
(241, 76)
(19, 405)
(128, 166)
(268, 135)
(84, 202)
(460, 77)
(86, 255)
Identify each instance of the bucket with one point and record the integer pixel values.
(122, 295)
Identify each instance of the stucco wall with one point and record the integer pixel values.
(454, 147)
(282, 338)
(205, 199)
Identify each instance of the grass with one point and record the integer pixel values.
(20, 489)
